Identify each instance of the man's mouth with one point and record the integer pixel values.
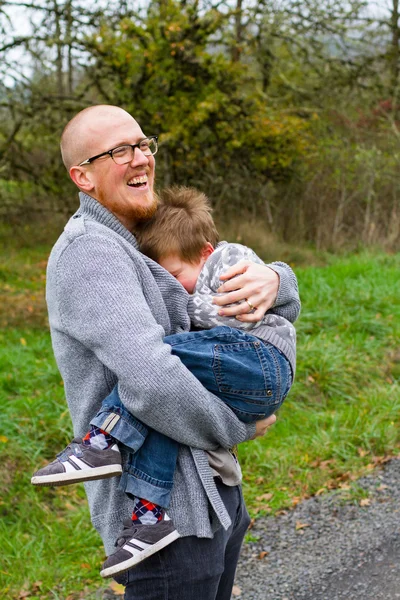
(138, 182)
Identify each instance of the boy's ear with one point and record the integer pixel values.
(81, 178)
(208, 249)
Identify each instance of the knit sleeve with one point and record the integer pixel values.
(102, 306)
(287, 303)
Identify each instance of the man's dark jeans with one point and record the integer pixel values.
(193, 568)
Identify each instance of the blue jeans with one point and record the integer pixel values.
(250, 375)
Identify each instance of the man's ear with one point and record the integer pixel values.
(81, 178)
(207, 251)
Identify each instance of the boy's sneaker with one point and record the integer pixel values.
(80, 463)
(138, 542)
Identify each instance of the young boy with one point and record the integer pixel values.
(250, 366)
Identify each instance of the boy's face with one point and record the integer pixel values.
(185, 272)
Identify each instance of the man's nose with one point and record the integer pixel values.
(139, 158)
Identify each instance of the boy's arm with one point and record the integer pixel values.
(101, 304)
(204, 312)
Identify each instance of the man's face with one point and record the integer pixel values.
(126, 190)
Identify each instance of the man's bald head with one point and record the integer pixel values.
(82, 135)
(126, 190)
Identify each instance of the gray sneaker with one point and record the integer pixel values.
(79, 463)
(138, 542)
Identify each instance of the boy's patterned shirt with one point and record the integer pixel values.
(275, 326)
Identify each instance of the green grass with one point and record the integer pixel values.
(342, 415)
(340, 419)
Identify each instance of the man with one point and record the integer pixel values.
(109, 310)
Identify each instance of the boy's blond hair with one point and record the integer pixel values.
(182, 225)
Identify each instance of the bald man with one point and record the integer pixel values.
(110, 308)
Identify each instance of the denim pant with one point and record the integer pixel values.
(250, 375)
(193, 568)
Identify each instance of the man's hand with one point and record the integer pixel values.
(251, 284)
(262, 426)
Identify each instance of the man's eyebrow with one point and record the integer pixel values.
(129, 143)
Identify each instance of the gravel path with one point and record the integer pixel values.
(346, 551)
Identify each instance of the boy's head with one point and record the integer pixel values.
(181, 235)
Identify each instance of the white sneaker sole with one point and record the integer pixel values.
(138, 558)
(77, 476)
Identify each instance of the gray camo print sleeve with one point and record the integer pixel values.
(203, 313)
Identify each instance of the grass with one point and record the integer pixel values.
(342, 415)
(340, 420)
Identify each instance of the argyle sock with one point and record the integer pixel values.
(97, 438)
(146, 513)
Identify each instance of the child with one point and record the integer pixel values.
(250, 366)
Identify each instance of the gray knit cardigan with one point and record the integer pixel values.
(109, 310)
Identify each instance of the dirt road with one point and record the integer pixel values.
(329, 548)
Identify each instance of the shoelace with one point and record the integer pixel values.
(70, 449)
(128, 526)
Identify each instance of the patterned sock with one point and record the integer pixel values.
(97, 438)
(147, 513)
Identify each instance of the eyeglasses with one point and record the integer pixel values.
(124, 154)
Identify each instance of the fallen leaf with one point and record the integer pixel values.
(362, 452)
(300, 525)
(236, 591)
(117, 588)
(3, 439)
(252, 521)
(325, 463)
(365, 502)
(262, 507)
(265, 507)
(344, 486)
(322, 464)
(23, 342)
(265, 497)
(263, 554)
(320, 491)
(85, 566)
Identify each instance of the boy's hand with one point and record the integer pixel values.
(262, 426)
(251, 284)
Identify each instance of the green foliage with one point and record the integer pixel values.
(168, 73)
(342, 414)
(286, 111)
